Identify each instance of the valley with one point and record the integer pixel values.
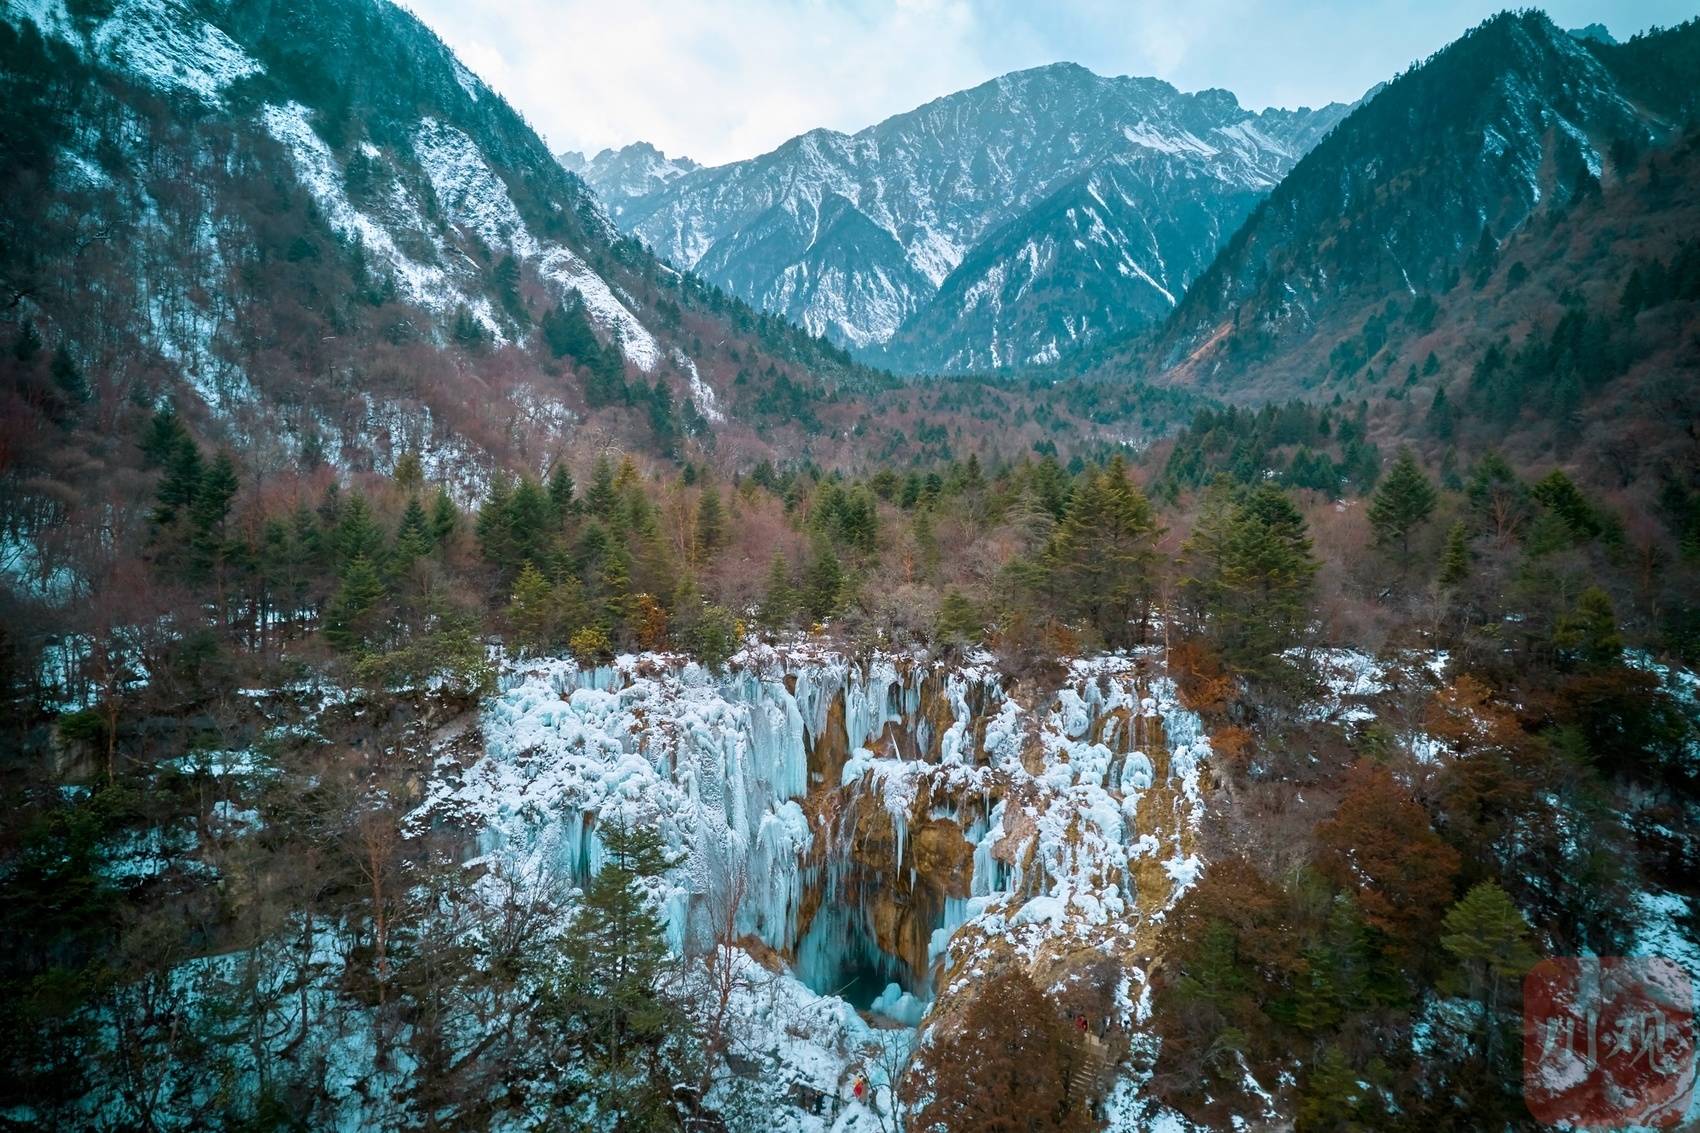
(1079, 606)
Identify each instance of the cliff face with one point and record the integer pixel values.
(881, 823)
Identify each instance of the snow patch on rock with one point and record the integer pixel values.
(163, 44)
(570, 273)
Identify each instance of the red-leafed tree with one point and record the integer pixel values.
(1380, 847)
(1004, 1068)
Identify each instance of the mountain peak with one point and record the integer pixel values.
(1542, 109)
(934, 185)
(1599, 33)
(635, 170)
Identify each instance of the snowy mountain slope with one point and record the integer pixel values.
(314, 221)
(631, 171)
(1114, 248)
(939, 180)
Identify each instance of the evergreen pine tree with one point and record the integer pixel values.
(1455, 562)
(1337, 1096)
(165, 433)
(27, 344)
(529, 526)
(504, 281)
(568, 332)
(409, 472)
(357, 533)
(1250, 570)
(1439, 419)
(529, 609)
(779, 605)
(493, 527)
(614, 582)
(330, 506)
(1051, 486)
(1205, 552)
(607, 382)
(67, 376)
(958, 622)
(413, 537)
(602, 498)
(445, 517)
(468, 332)
(607, 998)
(1100, 557)
(560, 492)
(710, 525)
(1591, 633)
(823, 583)
(1559, 494)
(1498, 498)
(1449, 477)
(1485, 929)
(1489, 937)
(1404, 500)
(353, 619)
(208, 513)
(182, 479)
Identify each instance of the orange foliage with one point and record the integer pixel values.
(1201, 681)
(1234, 892)
(1463, 715)
(1234, 744)
(649, 622)
(1379, 845)
(1004, 1068)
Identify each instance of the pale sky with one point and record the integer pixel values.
(720, 80)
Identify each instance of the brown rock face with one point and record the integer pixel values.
(942, 858)
(831, 750)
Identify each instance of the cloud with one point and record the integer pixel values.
(719, 80)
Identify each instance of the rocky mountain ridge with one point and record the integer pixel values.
(1415, 191)
(905, 241)
(617, 176)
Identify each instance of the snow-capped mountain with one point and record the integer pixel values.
(619, 175)
(938, 233)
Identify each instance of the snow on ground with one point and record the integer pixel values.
(702, 394)
(165, 45)
(317, 169)
(31, 573)
(49, 16)
(1346, 675)
(472, 197)
(469, 192)
(560, 266)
